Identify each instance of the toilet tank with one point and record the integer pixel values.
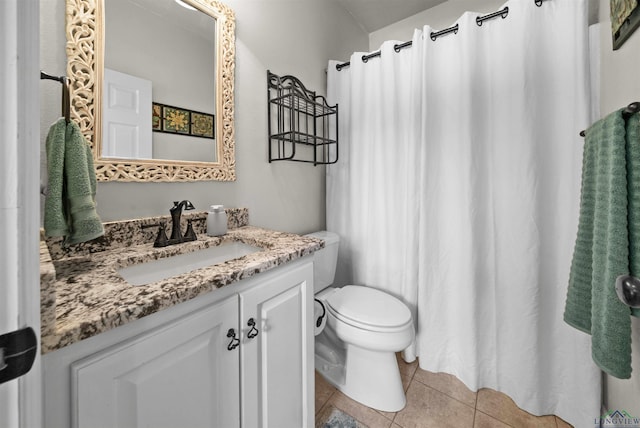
(325, 260)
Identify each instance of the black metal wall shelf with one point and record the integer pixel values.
(302, 126)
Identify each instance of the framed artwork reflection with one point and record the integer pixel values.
(625, 19)
(178, 120)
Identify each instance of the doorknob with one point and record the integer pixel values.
(17, 352)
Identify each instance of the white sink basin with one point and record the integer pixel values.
(157, 270)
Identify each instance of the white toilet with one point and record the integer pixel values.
(365, 327)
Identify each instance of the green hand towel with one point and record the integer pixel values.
(55, 220)
(633, 189)
(70, 208)
(603, 251)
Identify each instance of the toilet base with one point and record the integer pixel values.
(369, 377)
(373, 379)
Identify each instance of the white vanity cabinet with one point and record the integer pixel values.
(189, 371)
(179, 375)
(277, 368)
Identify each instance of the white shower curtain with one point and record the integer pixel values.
(371, 200)
(457, 191)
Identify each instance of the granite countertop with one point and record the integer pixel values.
(83, 295)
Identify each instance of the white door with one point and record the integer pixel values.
(277, 352)
(185, 374)
(126, 116)
(20, 399)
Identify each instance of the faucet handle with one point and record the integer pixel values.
(190, 234)
(161, 237)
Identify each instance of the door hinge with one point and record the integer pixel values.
(17, 353)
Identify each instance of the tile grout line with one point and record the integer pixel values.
(395, 415)
(475, 409)
(475, 405)
(450, 396)
(496, 418)
(411, 379)
(327, 401)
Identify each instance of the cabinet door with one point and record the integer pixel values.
(277, 355)
(182, 375)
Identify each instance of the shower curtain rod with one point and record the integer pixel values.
(434, 35)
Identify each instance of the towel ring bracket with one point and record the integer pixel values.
(66, 98)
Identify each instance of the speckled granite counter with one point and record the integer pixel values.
(83, 294)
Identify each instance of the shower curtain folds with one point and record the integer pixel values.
(458, 193)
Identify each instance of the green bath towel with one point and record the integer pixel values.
(607, 243)
(70, 208)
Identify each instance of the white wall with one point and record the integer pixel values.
(619, 86)
(295, 37)
(52, 48)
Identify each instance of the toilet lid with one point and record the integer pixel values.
(368, 306)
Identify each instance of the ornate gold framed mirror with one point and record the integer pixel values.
(85, 31)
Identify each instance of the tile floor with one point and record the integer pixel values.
(434, 400)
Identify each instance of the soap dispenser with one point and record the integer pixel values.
(216, 221)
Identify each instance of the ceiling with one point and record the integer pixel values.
(373, 15)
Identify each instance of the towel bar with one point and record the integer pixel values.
(626, 114)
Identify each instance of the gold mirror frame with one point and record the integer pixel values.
(85, 64)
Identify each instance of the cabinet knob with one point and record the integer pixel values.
(235, 342)
(254, 331)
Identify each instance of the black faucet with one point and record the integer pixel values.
(176, 235)
(176, 214)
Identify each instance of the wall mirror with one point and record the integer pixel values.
(171, 62)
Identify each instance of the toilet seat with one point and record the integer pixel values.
(368, 309)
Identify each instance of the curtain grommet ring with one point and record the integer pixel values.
(503, 13)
